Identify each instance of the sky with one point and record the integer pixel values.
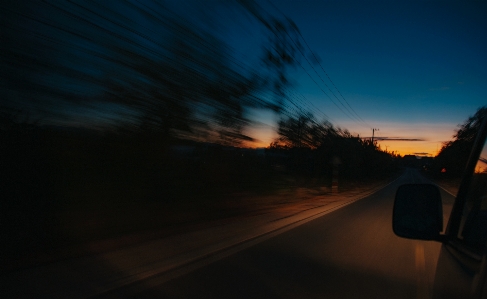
(409, 71)
(414, 70)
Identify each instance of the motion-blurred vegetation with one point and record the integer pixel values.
(453, 157)
(129, 107)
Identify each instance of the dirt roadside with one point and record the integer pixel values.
(241, 216)
(96, 268)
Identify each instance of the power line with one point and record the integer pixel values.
(297, 47)
(324, 91)
(350, 114)
(355, 114)
(305, 102)
(304, 56)
(319, 63)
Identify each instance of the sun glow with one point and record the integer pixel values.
(418, 148)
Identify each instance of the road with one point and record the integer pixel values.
(349, 253)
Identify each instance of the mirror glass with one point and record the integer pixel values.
(418, 212)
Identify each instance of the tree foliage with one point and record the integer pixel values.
(190, 90)
(312, 146)
(138, 66)
(454, 154)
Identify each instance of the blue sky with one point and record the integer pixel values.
(412, 69)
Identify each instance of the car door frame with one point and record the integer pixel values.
(471, 261)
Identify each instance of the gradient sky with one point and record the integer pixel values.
(412, 69)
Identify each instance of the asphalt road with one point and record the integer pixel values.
(349, 253)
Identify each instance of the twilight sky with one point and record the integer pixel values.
(412, 69)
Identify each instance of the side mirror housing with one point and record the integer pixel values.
(418, 213)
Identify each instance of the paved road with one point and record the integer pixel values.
(349, 253)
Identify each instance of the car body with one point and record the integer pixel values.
(461, 270)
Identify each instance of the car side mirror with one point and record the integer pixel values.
(418, 212)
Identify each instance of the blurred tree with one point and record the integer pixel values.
(280, 53)
(190, 91)
(297, 132)
(312, 145)
(137, 64)
(454, 154)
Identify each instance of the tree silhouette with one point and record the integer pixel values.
(140, 67)
(312, 146)
(454, 154)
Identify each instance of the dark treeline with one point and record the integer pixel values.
(131, 105)
(144, 67)
(312, 147)
(50, 172)
(454, 154)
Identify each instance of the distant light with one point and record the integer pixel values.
(443, 170)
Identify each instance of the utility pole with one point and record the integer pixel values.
(373, 130)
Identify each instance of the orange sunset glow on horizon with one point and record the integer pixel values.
(415, 139)
(401, 148)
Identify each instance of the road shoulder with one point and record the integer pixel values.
(121, 264)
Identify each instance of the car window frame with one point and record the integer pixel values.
(454, 222)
